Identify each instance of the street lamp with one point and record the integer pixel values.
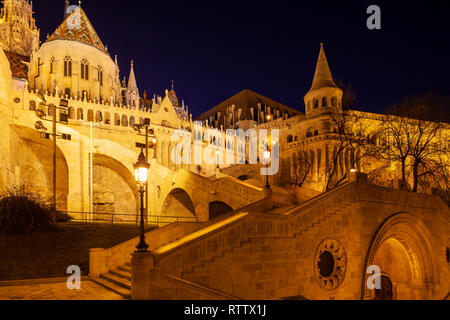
(267, 157)
(63, 105)
(141, 168)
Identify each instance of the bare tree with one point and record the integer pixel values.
(301, 170)
(352, 133)
(414, 137)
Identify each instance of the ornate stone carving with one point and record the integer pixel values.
(330, 263)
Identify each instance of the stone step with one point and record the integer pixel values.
(125, 293)
(116, 280)
(125, 268)
(121, 274)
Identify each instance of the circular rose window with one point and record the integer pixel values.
(330, 264)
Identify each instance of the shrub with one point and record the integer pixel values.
(22, 212)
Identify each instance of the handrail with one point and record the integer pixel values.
(196, 286)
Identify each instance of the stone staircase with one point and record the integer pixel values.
(117, 280)
(202, 267)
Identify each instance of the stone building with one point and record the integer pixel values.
(225, 235)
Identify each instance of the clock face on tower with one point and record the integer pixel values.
(74, 21)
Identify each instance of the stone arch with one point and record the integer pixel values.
(34, 157)
(218, 208)
(115, 191)
(177, 204)
(403, 248)
(80, 115)
(71, 113)
(124, 120)
(90, 116)
(107, 118)
(98, 116)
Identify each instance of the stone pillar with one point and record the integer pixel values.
(142, 275)
(98, 262)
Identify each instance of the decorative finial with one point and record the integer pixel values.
(132, 63)
(173, 84)
(79, 3)
(321, 44)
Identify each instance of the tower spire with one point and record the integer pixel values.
(66, 9)
(132, 79)
(322, 76)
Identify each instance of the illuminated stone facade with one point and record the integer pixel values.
(255, 253)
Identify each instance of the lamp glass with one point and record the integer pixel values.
(141, 175)
(266, 155)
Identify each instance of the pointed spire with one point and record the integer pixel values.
(132, 79)
(322, 76)
(66, 9)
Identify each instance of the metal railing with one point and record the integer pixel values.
(115, 218)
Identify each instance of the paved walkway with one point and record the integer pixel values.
(57, 291)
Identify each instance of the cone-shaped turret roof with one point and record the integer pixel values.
(132, 79)
(322, 76)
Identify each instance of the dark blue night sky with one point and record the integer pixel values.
(214, 49)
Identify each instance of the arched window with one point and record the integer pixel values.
(316, 132)
(67, 66)
(80, 114)
(84, 95)
(132, 122)
(67, 92)
(324, 102)
(90, 117)
(100, 75)
(32, 105)
(309, 133)
(71, 113)
(107, 118)
(84, 69)
(116, 119)
(295, 138)
(290, 139)
(316, 103)
(124, 121)
(334, 102)
(98, 116)
(52, 64)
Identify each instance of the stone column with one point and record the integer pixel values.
(142, 275)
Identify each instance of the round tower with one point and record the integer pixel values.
(324, 93)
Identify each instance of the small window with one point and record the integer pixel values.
(290, 139)
(100, 75)
(124, 121)
(52, 63)
(316, 103)
(67, 66)
(316, 132)
(67, 92)
(324, 102)
(80, 114)
(32, 106)
(90, 116)
(98, 116)
(334, 102)
(84, 69)
(85, 95)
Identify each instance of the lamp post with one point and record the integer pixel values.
(63, 105)
(267, 157)
(149, 133)
(141, 168)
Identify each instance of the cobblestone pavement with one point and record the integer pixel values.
(57, 291)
